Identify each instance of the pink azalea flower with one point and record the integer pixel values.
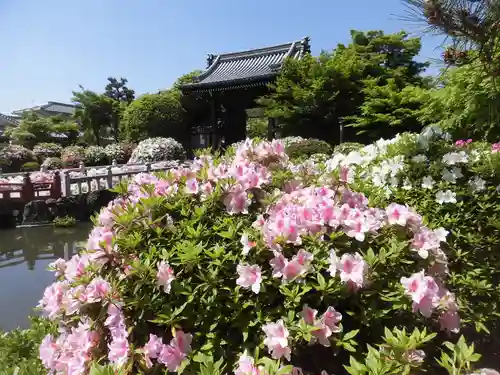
(97, 290)
(495, 147)
(59, 267)
(397, 214)
(298, 266)
(278, 264)
(247, 244)
(423, 291)
(173, 354)
(249, 277)
(246, 366)
(237, 202)
(352, 270)
(192, 186)
(309, 315)
(277, 340)
(165, 276)
(152, 349)
(48, 352)
(118, 351)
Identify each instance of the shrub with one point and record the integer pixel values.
(201, 269)
(30, 166)
(19, 348)
(64, 222)
(47, 150)
(346, 147)
(257, 127)
(72, 156)
(454, 185)
(154, 115)
(120, 152)
(52, 163)
(157, 149)
(95, 155)
(307, 147)
(15, 156)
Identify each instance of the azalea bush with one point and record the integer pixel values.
(453, 184)
(255, 265)
(119, 152)
(52, 163)
(47, 150)
(95, 155)
(72, 156)
(14, 156)
(157, 149)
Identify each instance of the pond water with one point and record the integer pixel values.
(25, 254)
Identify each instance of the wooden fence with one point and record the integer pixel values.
(63, 181)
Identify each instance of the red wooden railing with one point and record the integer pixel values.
(28, 190)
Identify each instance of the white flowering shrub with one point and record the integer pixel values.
(253, 265)
(95, 155)
(120, 152)
(13, 157)
(52, 163)
(157, 149)
(453, 184)
(47, 150)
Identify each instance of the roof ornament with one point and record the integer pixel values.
(306, 46)
(210, 59)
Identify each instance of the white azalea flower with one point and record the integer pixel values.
(446, 197)
(428, 182)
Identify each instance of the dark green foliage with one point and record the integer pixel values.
(257, 127)
(154, 115)
(30, 166)
(307, 148)
(314, 96)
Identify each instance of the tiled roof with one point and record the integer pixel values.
(10, 119)
(248, 68)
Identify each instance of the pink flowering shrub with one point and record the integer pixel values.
(252, 265)
(72, 156)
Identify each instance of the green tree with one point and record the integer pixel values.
(94, 112)
(34, 129)
(467, 105)
(314, 97)
(122, 96)
(154, 115)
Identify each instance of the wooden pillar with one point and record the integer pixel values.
(55, 187)
(28, 191)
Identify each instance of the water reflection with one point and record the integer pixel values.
(24, 257)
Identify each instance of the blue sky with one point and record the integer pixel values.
(50, 47)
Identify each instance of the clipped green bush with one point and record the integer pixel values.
(47, 150)
(52, 163)
(307, 147)
(30, 166)
(72, 156)
(254, 265)
(157, 149)
(95, 155)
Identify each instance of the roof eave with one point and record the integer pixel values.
(237, 83)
